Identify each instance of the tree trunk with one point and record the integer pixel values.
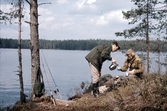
(159, 65)
(147, 42)
(22, 97)
(159, 55)
(166, 65)
(34, 43)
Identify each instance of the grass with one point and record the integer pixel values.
(147, 94)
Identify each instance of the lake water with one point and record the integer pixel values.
(68, 68)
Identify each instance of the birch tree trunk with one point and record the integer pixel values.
(22, 96)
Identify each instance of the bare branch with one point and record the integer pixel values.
(27, 22)
(31, 23)
(28, 2)
(44, 3)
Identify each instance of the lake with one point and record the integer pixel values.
(68, 67)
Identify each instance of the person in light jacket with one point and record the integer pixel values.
(135, 69)
(134, 64)
(95, 58)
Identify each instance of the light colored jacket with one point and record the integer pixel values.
(134, 63)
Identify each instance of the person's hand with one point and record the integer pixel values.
(132, 72)
(127, 73)
(113, 60)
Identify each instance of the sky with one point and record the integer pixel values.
(72, 19)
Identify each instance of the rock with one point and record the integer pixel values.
(75, 97)
(104, 79)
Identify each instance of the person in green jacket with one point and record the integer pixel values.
(95, 58)
(134, 64)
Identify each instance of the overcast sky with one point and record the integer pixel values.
(73, 19)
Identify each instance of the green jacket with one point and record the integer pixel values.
(134, 63)
(98, 55)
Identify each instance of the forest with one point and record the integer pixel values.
(137, 45)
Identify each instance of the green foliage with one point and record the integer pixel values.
(147, 21)
(140, 17)
(7, 17)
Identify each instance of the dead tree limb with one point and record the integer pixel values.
(44, 3)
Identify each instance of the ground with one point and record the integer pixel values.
(148, 94)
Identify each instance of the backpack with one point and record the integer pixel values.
(39, 86)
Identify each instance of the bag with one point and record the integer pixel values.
(39, 86)
(39, 89)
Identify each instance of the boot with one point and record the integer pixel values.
(95, 89)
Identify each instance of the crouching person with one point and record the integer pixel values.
(134, 64)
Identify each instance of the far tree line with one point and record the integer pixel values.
(137, 45)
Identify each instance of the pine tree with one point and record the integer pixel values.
(142, 18)
(34, 46)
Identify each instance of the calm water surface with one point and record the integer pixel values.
(69, 69)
